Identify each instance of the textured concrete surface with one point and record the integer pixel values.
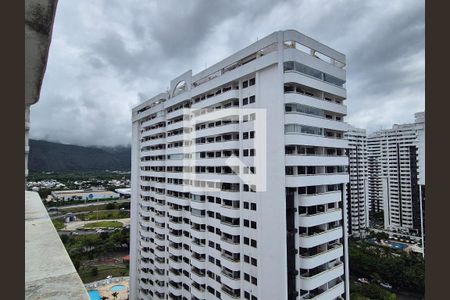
(49, 272)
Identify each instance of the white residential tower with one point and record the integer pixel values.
(238, 178)
(397, 175)
(357, 204)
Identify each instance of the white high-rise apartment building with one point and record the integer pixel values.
(238, 178)
(375, 179)
(357, 204)
(397, 175)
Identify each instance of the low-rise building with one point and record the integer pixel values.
(68, 195)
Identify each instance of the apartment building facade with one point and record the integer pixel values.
(238, 178)
(357, 202)
(397, 175)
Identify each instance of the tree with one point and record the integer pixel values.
(65, 238)
(94, 271)
(105, 298)
(76, 263)
(110, 206)
(115, 294)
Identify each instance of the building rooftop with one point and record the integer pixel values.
(260, 48)
(49, 272)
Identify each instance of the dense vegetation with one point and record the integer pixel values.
(360, 291)
(405, 271)
(83, 249)
(91, 177)
(95, 245)
(49, 156)
(90, 274)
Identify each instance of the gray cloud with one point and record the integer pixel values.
(107, 56)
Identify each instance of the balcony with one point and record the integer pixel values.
(332, 293)
(317, 84)
(233, 293)
(315, 121)
(320, 275)
(315, 140)
(310, 99)
(319, 198)
(331, 215)
(312, 259)
(317, 179)
(315, 239)
(49, 276)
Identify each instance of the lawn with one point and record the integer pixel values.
(87, 275)
(117, 214)
(104, 224)
(58, 224)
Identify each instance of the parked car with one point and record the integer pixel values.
(386, 285)
(363, 280)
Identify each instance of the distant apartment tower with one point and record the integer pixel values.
(397, 175)
(238, 178)
(357, 204)
(374, 178)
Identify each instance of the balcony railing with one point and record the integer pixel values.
(49, 276)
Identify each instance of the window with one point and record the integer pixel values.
(253, 224)
(289, 170)
(252, 152)
(253, 243)
(253, 206)
(333, 80)
(246, 188)
(252, 99)
(246, 277)
(245, 84)
(245, 152)
(252, 134)
(246, 205)
(245, 101)
(296, 128)
(246, 241)
(246, 258)
(298, 67)
(246, 223)
(254, 280)
(245, 135)
(254, 262)
(251, 82)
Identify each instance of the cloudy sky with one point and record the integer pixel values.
(107, 56)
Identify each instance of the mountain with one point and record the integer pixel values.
(49, 156)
